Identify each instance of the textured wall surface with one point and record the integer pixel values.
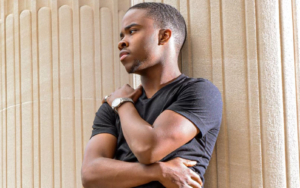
(58, 58)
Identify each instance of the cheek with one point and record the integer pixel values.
(150, 44)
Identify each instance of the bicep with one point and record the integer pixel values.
(172, 131)
(100, 145)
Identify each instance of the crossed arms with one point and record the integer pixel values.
(149, 143)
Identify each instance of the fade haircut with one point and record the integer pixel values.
(166, 17)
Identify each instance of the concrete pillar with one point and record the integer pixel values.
(58, 58)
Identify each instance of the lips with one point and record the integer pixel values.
(123, 54)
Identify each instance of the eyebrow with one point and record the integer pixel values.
(128, 27)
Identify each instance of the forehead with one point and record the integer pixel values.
(138, 16)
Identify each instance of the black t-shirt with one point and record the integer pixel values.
(196, 99)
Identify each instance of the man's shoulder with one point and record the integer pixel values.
(199, 85)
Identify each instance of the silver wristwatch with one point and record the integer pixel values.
(118, 101)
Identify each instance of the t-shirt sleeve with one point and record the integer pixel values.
(104, 121)
(201, 103)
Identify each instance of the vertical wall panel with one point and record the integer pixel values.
(115, 40)
(87, 70)
(3, 98)
(11, 104)
(236, 97)
(56, 102)
(46, 97)
(27, 104)
(200, 35)
(289, 94)
(36, 128)
(253, 96)
(217, 173)
(107, 54)
(269, 57)
(296, 35)
(17, 93)
(97, 51)
(66, 69)
(77, 94)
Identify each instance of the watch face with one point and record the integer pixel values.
(116, 102)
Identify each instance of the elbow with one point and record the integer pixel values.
(87, 178)
(146, 152)
(146, 156)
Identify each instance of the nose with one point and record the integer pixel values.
(122, 44)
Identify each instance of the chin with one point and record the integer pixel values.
(133, 67)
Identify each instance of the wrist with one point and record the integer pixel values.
(125, 107)
(155, 171)
(118, 102)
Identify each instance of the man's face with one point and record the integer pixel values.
(139, 41)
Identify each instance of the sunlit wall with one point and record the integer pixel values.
(58, 58)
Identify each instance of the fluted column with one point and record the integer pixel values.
(58, 59)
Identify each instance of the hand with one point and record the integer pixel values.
(124, 92)
(176, 174)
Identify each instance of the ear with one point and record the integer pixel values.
(164, 36)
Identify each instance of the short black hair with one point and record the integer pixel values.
(167, 17)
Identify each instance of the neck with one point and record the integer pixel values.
(157, 77)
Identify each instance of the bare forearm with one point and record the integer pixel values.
(110, 173)
(139, 134)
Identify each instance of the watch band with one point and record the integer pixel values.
(119, 101)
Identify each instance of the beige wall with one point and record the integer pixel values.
(58, 58)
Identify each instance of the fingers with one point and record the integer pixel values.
(194, 184)
(196, 177)
(105, 99)
(189, 163)
(124, 91)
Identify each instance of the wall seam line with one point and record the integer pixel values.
(20, 97)
(189, 41)
(211, 56)
(73, 98)
(296, 59)
(1, 67)
(15, 96)
(248, 90)
(260, 94)
(59, 99)
(283, 91)
(5, 63)
(38, 99)
(32, 96)
(224, 95)
(80, 61)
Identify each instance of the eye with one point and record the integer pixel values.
(132, 31)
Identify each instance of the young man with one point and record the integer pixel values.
(161, 134)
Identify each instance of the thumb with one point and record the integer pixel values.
(189, 163)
